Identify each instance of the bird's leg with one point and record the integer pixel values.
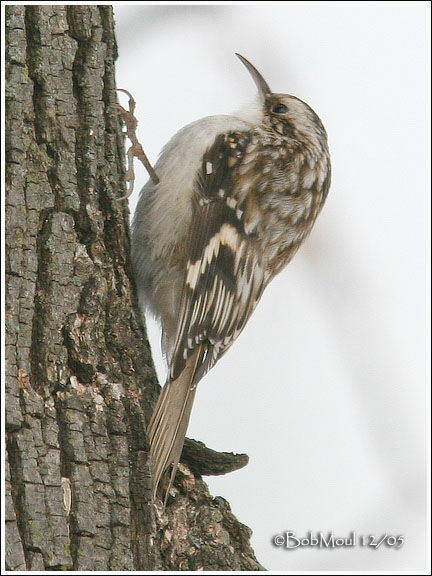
(135, 150)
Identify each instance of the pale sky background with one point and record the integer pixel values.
(327, 387)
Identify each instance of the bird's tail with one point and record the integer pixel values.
(170, 419)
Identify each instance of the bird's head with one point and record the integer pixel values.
(285, 114)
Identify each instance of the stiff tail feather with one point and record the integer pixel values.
(170, 419)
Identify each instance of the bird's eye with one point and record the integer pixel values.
(280, 109)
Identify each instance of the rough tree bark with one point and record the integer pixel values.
(80, 383)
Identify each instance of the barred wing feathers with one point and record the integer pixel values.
(225, 277)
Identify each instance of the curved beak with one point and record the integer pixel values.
(261, 84)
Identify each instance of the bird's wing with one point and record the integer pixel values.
(224, 277)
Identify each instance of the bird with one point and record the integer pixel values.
(237, 196)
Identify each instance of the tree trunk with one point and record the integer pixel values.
(80, 382)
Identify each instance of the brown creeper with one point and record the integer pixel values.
(236, 198)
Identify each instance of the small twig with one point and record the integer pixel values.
(135, 150)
